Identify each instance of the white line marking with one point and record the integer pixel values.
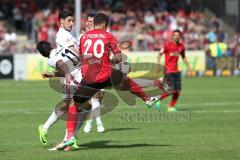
(48, 110)
(209, 104)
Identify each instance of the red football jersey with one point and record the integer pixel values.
(172, 52)
(95, 48)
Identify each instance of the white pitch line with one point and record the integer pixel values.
(216, 111)
(20, 101)
(209, 104)
(37, 111)
(180, 104)
(24, 112)
(27, 112)
(195, 104)
(14, 101)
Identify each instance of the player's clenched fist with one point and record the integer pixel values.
(47, 75)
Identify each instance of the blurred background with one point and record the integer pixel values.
(210, 32)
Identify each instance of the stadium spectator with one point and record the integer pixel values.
(18, 18)
(149, 18)
(216, 51)
(43, 33)
(147, 24)
(10, 38)
(211, 35)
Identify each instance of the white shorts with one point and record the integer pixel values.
(68, 91)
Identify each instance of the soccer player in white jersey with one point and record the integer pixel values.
(64, 39)
(65, 61)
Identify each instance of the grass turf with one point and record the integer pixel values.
(210, 129)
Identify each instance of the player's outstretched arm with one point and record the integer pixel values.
(63, 68)
(52, 74)
(58, 74)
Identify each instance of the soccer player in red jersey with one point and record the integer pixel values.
(95, 49)
(172, 50)
(98, 97)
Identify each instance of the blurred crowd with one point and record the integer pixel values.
(8, 39)
(146, 24)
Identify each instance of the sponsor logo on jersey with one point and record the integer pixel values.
(174, 54)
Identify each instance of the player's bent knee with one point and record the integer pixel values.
(65, 104)
(85, 107)
(80, 99)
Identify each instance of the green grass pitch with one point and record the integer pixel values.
(211, 132)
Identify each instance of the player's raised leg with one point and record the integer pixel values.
(121, 82)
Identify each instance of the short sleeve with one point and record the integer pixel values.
(113, 45)
(52, 62)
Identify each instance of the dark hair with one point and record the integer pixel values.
(101, 18)
(44, 47)
(92, 15)
(177, 30)
(65, 13)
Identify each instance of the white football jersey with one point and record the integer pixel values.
(65, 39)
(67, 56)
(72, 60)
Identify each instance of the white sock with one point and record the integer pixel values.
(65, 137)
(89, 121)
(95, 104)
(96, 110)
(98, 121)
(56, 114)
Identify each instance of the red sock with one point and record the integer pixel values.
(174, 99)
(137, 90)
(71, 120)
(164, 95)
